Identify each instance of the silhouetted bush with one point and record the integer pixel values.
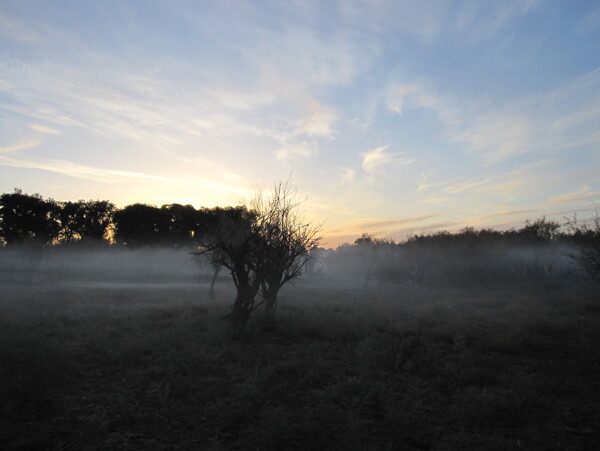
(586, 237)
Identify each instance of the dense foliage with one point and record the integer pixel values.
(28, 218)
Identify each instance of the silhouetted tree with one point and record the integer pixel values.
(232, 239)
(286, 240)
(25, 217)
(83, 220)
(183, 222)
(70, 216)
(586, 237)
(141, 224)
(263, 248)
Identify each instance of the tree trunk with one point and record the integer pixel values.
(243, 305)
(217, 269)
(270, 298)
(240, 311)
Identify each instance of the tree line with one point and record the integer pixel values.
(541, 249)
(32, 219)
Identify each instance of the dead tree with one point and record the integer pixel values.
(233, 242)
(285, 242)
(263, 247)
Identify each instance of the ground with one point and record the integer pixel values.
(147, 363)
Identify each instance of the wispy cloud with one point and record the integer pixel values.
(304, 53)
(368, 224)
(503, 183)
(229, 183)
(319, 122)
(155, 113)
(379, 158)
(28, 144)
(458, 188)
(584, 194)
(15, 29)
(397, 97)
(500, 217)
(302, 149)
(430, 20)
(44, 129)
(401, 97)
(497, 136)
(541, 125)
(72, 169)
(397, 229)
(480, 20)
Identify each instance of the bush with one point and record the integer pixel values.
(586, 237)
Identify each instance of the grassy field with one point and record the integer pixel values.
(108, 361)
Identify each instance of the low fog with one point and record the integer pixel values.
(359, 272)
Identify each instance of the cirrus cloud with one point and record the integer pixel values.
(377, 159)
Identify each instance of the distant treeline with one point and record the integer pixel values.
(467, 257)
(31, 219)
(28, 218)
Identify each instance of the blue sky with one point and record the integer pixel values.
(393, 117)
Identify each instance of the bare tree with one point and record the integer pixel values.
(286, 240)
(233, 241)
(263, 247)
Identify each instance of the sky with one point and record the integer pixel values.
(390, 117)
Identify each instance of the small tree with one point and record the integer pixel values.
(286, 240)
(263, 247)
(232, 241)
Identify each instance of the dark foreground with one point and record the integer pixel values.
(143, 367)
